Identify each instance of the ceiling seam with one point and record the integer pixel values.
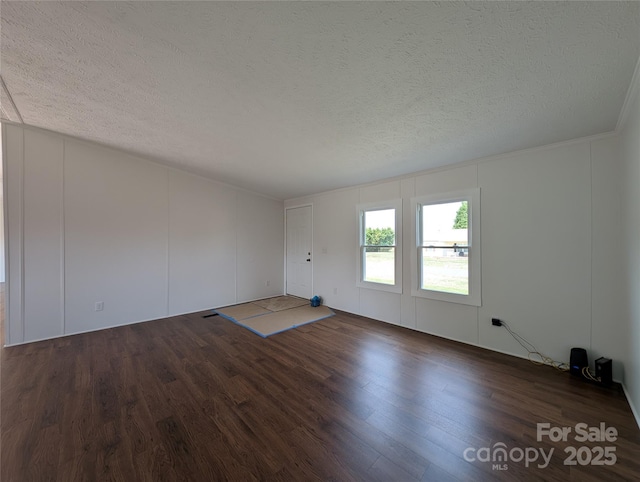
(629, 98)
(13, 104)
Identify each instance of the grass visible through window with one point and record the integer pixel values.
(439, 273)
(445, 273)
(380, 266)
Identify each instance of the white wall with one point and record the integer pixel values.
(609, 335)
(536, 249)
(629, 281)
(89, 224)
(42, 223)
(115, 235)
(548, 268)
(259, 245)
(210, 230)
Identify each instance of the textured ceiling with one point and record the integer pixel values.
(292, 98)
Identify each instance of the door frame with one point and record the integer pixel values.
(286, 209)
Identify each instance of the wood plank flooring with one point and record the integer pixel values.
(345, 398)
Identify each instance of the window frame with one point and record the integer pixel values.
(472, 196)
(395, 204)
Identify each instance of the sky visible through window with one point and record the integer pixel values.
(438, 219)
(440, 216)
(384, 218)
(379, 263)
(444, 269)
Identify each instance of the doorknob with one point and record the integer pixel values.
(309, 259)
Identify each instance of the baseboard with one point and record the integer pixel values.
(92, 330)
(636, 414)
(457, 340)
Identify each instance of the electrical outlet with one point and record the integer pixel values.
(268, 282)
(99, 305)
(496, 322)
(335, 291)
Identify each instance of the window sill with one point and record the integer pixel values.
(379, 287)
(470, 299)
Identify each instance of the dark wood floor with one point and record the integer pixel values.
(345, 398)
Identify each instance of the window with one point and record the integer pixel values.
(447, 254)
(380, 251)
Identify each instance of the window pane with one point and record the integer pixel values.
(380, 227)
(445, 224)
(445, 270)
(445, 236)
(379, 265)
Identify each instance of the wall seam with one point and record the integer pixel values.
(480, 228)
(358, 274)
(7, 272)
(63, 277)
(168, 288)
(284, 254)
(413, 235)
(22, 256)
(237, 216)
(591, 246)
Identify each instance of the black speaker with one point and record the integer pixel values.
(578, 361)
(604, 370)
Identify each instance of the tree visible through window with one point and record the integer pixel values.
(444, 247)
(379, 249)
(446, 261)
(462, 216)
(380, 237)
(380, 245)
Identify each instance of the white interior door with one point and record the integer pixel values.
(299, 259)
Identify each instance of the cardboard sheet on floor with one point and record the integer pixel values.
(242, 312)
(280, 303)
(279, 321)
